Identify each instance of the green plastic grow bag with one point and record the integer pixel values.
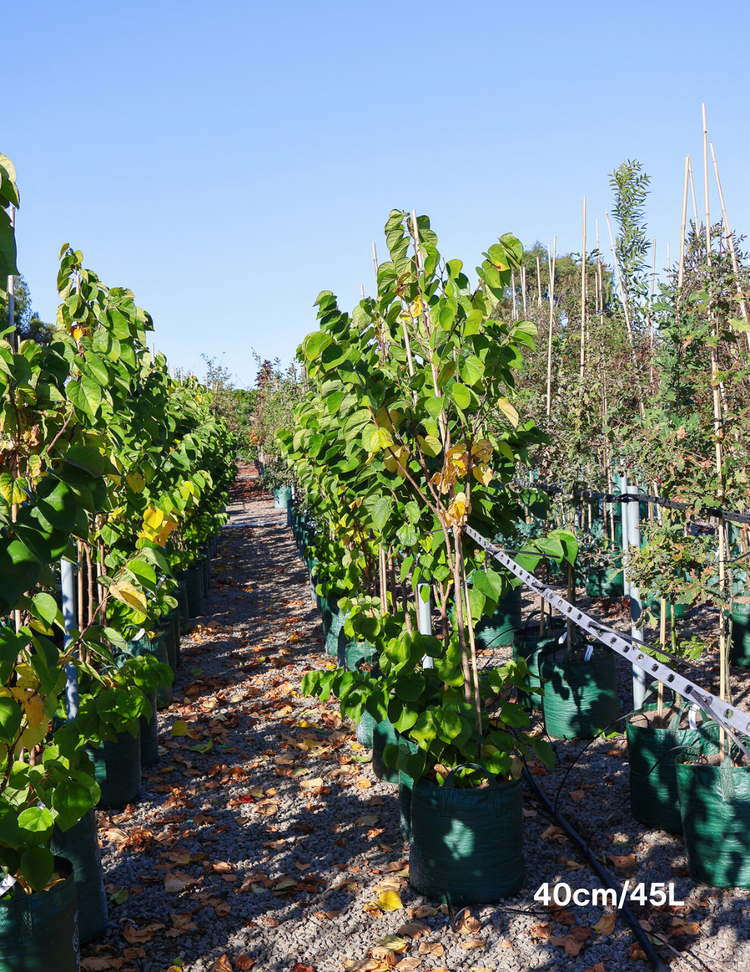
(158, 647)
(364, 729)
(333, 629)
(39, 932)
(184, 611)
(149, 735)
(715, 811)
(652, 753)
(282, 497)
(605, 582)
(383, 734)
(531, 647)
(739, 650)
(466, 845)
(117, 767)
(500, 628)
(580, 697)
(357, 651)
(80, 846)
(193, 581)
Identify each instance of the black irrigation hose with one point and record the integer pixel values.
(656, 961)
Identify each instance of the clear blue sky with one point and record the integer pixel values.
(229, 160)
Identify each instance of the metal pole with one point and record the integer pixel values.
(624, 522)
(68, 584)
(633, 509)
(424, 619)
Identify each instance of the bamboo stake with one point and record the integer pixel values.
(681, 273)
(472, 643)
(717, 437)
(692, 191)
(651, 316)
(583, 293)
(513, 292)
(732, 248)
(523, 290)
(362, 290)
(375, 260)
(539, 283)
(552, 260)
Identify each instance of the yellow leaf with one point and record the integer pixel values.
(136, 482)
(508, 411)
(482, 473)
(180, 728)
(482, 450)
(128, 594)
(383, 419)
(605, 925)
(389, 901)
(430, 445)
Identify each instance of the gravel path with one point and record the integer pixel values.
(261, 835)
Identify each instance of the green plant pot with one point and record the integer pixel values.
(205, 566)
(383, 734)
(739, 650)
(80, 846)
(117, 767)
(532, 646)
(193, 581)
(150, 735)
(500, 628)
(39, 932)
(679, 610)
(654, 800)
(580, 697)
(183, 608)
(715, 812)
(158, 647)
(357, 651)
(174, 617)
(165, 630)
(333, 629)
(282, 497)
(605, 582)
(405, 787)
(466, 844)
(365, 727)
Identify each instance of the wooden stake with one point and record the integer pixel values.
(730, 237)
(651, 316)
(539, 283)
(513, 292)
(692, 191)
(523, 289)
(375, 260)
(583, 293)
(681, 273)
(627, 316)
(552, 261)
(705, 186)
(362, 290)
(662, 644)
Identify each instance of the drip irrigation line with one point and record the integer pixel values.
(602, 873)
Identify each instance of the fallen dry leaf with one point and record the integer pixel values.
(678, 926)
(244, 962)
(637, 954)
(622, 862)
(466, 924)
(271, 922)
(605, 925)
(599, 967)
(175, 881)
(222, 964)
(366, 820)
(431, 948)
(96, 964)
(541, 931)
(132, 934)
(577, 795)
(473, 943)
(414, 929)
(554, 833)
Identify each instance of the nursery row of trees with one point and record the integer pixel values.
(112, 465)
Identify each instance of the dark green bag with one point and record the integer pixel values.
(467, 845)
(364, 729)
(165, 630)
(500, 628)
(605, 581)
(739, 651)
(531, 646)
(184, 611)
(652, 752)
(333, 628)
(715, 811)
(158, 647)
(193, 581)
(150, 735)
(80, 846)
(383, 734)
(117, 767)
(580, 697)
(39, 932)
(358, 651)
(405, 787)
